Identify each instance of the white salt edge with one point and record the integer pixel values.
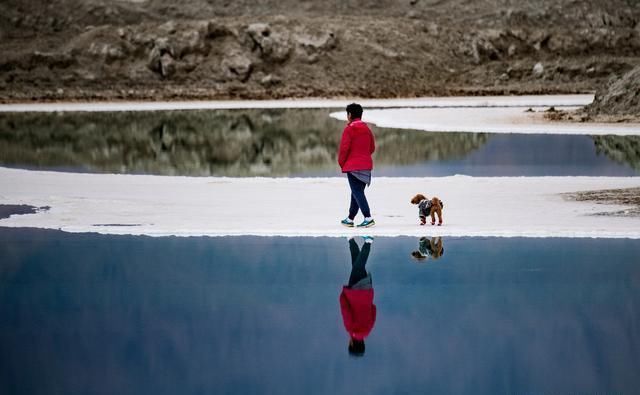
(214, 206)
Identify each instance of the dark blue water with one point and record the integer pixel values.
(242, 315)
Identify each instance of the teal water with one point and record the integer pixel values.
(87, 313)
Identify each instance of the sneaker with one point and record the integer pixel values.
(347, 222)
(367, 224)
(368, 239)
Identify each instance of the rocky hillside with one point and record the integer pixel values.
(620, 98)
(143, 49)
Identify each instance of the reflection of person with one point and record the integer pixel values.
(354, 157)
(428, 248)
(356, 299)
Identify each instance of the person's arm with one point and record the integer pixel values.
(347, 312)
(345, 145)
(374, 311)
(373, 142)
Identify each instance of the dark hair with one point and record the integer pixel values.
(355, 110)
(356, 347)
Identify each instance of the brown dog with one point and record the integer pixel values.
(428, 207)
(428, 249)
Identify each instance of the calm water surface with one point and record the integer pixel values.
(85, 313)
(289, 142)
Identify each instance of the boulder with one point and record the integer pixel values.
(490, 44)
(167, 65)
(482, 49)
(310, 45)
(109, 52)
(160, 48)
(191, 41)
(620, 97)
(269, 80)
(273, 46)
(316, 42)
(215, 29)
(563, 43)
(538, 69)
(189, 63)
(237, 66)
(153, 62)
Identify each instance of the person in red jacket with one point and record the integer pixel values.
(356, 299)
(354, 157)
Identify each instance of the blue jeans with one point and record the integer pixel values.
(358, 261)
(358, 200)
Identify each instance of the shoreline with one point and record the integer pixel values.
(578, 116)
(527, 114)
(310, 102)
(155, 94)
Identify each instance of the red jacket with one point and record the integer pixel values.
(358, 311)
(356, 146)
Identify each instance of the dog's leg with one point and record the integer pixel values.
(433, 215)
(439, 211)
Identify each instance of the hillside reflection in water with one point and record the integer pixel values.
(287, 142)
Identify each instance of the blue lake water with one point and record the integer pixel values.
(87, 313)
(289, 142)
(515, 155)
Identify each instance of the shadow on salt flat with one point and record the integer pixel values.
(7, 210)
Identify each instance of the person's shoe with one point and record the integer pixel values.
(368, 239)
(367, 223)
(347, 222)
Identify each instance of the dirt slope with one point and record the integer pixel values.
(137, 49)
(621, 97)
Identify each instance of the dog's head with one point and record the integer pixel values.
(417, 199)
(417, 255)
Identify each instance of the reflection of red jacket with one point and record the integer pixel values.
(358, 311)
(356, 146)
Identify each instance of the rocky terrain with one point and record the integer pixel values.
(203, 49)
(620, 98)
(617, 101)
(626, 197)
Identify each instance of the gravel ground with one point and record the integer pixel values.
(216, 49)
(628, 197)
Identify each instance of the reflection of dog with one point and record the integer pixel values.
(428, 207)
(428, 248)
